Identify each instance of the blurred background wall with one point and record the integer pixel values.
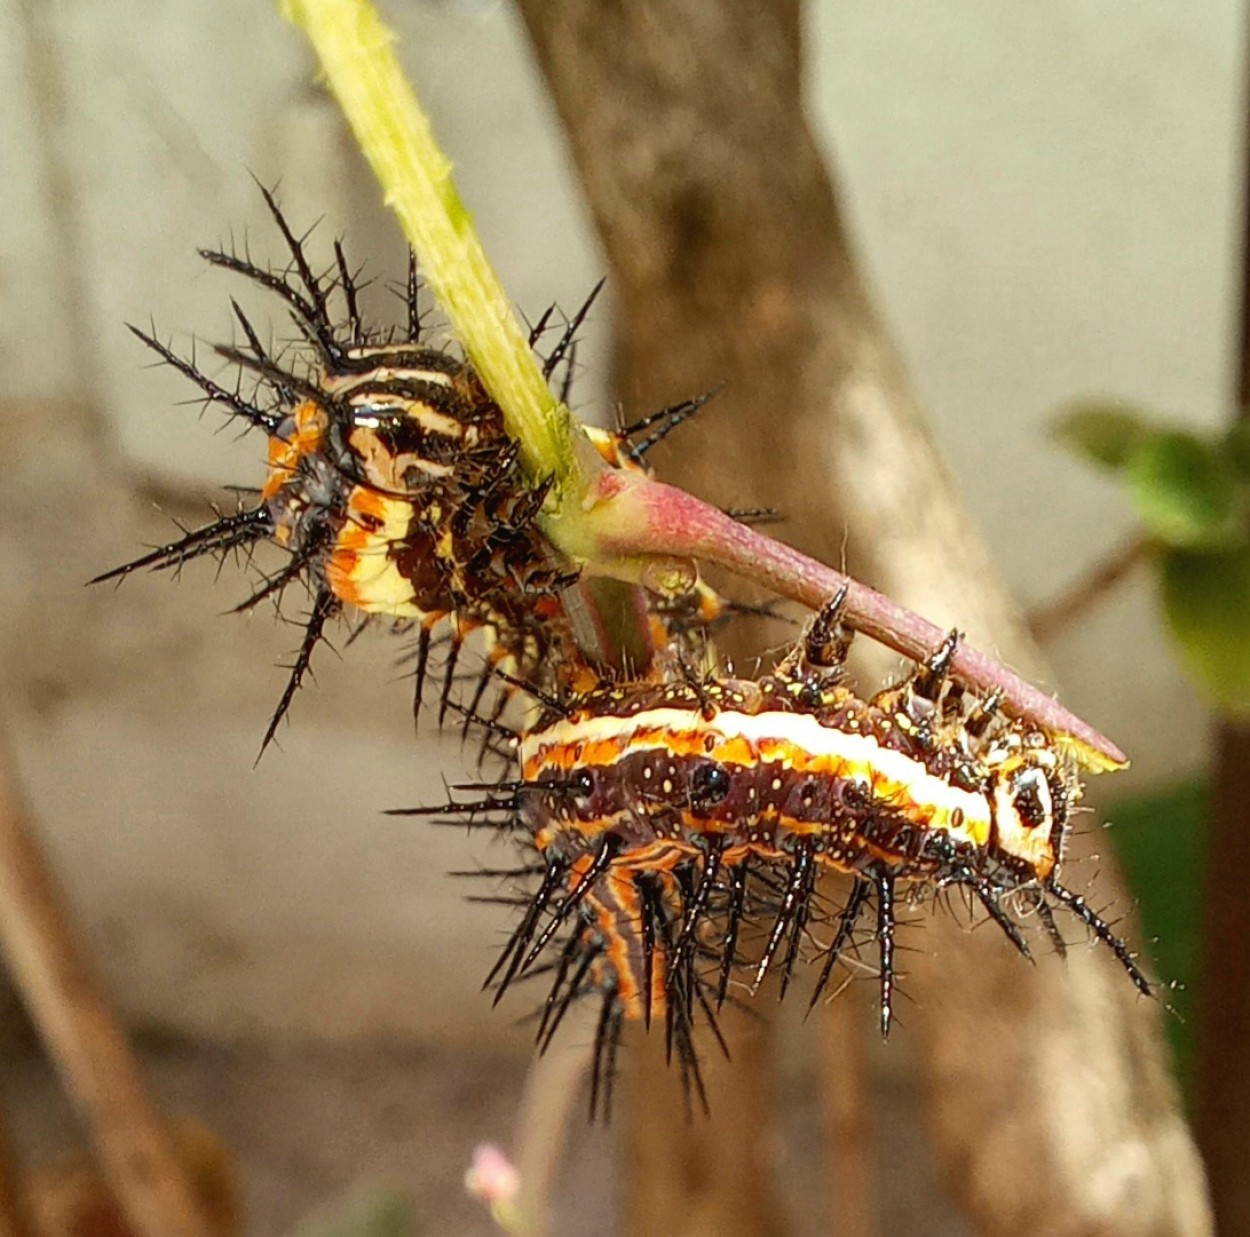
(1044, 196)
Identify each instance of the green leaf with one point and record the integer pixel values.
(370, 1213)
(1206, 598)
(1161, 840)
(1102, 434)
(1237, 446)
(1184, 491)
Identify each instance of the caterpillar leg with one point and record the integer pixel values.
(932, 673)
(930, 690)
(984, 715)
(816, 662)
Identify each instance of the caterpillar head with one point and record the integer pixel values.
(1032, 790)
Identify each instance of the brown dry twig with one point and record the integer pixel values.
(1222, 1083)
(50, 964)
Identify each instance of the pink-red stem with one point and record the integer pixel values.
(664, 520)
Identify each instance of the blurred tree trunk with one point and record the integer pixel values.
(1222, 1083)
(1051, 1103)
(13, 1219)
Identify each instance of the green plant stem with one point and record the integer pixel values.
(358, 58)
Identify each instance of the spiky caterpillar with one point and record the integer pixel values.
(392, 484)
(667, 814)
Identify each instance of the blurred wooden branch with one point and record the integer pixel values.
(1052, 618)
(703, 1176)
(1222, 1084)
(1049, 1089)
(846, 1090)
(13, 1220)
(83, 1037)
(552, 1092)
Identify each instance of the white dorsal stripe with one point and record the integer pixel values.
(428, 418)
(892, 773)
(338, 383)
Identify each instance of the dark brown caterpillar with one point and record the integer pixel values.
(721, 801)
(392, 484)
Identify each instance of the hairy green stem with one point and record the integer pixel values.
(358, 58)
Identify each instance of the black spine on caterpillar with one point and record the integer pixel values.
(605, 925)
